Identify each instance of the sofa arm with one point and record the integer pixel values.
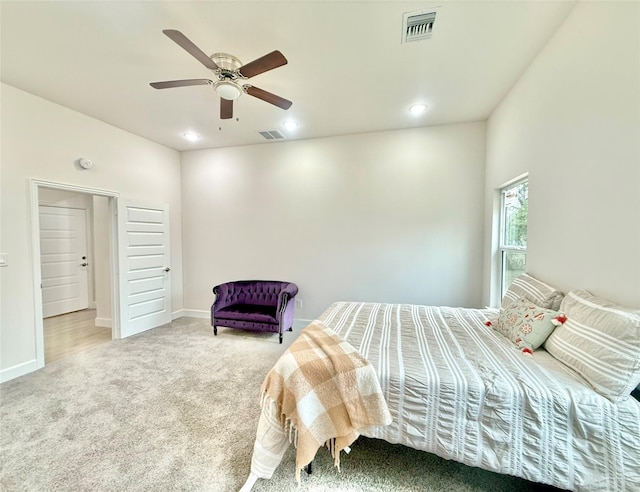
(224, 297)
(288, 292)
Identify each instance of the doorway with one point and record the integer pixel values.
(76, 298)
(75, 303)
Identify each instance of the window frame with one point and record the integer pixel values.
(503, 249)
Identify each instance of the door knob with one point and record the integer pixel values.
(167, 269)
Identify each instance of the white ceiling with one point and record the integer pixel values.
(348, 71)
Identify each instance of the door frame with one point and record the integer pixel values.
(113, 196)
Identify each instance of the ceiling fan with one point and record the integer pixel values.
(229, 72)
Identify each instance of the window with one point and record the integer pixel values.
(513, 232)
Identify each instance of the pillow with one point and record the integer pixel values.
(527, 287)
(600, 342)
(526, 324)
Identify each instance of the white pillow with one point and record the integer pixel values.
(533, 290)
(599, 340)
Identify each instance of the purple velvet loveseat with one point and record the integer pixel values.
(258, 305)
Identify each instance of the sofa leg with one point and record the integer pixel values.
(215, 330)
(290, 328)
(280, 337)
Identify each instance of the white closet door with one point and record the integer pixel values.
(145, 278)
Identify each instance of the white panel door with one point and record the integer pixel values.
(145, 280)
(63, 260)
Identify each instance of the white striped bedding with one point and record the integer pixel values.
(459, 389)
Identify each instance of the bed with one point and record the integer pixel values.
(457, 387)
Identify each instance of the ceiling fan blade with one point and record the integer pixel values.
(263, 64)
(281, 102)
(226, 109)
(190, 48)
(179, 83)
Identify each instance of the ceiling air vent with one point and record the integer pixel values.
(271, 134)
(417, 25)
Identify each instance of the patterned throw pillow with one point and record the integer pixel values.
(600, 342)
(534, 290)
(527, 325)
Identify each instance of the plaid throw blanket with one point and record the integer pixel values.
(320, 392)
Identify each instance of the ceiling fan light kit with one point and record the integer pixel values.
(227, 89)
(228, 70)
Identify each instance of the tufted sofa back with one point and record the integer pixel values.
(256, 292)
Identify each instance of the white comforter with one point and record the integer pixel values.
(459, 389)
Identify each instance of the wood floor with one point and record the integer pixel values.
(72, 333)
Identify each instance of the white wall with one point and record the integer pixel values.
(42, 140)
(573, 122)
(102, 268)
(390, 216)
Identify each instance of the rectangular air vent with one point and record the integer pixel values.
(271, 134)
(417, 25)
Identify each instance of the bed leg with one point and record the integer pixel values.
(290, 328)
(308, 468)
(280, 337)
(215, 330)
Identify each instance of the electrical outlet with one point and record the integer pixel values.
(298, 303)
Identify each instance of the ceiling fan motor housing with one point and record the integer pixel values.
(227, 87)
(228, 64)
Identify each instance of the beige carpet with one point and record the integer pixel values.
(176, 408)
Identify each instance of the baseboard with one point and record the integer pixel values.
(19, 370)
(103, 322)
(191, 313)
(299, 324)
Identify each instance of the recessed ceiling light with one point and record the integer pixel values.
(290, 124)
(418, 108)
(192, 137)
